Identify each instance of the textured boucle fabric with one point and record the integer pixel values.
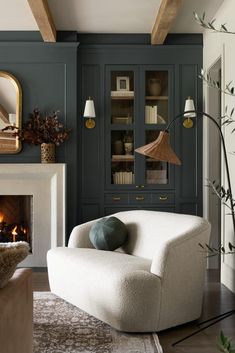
(10, 255)
(154, 282)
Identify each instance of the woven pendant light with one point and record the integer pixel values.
(160, 149)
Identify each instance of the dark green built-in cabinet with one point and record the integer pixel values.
(137, 90)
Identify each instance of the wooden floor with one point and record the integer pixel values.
(217, 300)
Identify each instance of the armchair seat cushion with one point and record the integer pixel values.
(100, 263)
(111, 286)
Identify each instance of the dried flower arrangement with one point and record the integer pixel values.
(38, 130)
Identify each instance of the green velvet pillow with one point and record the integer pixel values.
(108, 234)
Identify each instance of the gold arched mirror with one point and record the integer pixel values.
(10, 112)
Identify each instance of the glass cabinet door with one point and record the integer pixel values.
(137, 110)
(122, 121)
(156, 97)
(156, 172)
(156, 118)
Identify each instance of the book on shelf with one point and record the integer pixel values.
(122, 119)
(122, 93)
(151, 115)
(156, 176)
(123, 178)
(123, 157)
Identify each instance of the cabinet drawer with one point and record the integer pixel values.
(140, 198)
(116, 198)
(163, 198)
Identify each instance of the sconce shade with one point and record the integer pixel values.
(160, 149)
(189, 105)
(89, 111)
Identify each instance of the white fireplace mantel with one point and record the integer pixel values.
(46, 183)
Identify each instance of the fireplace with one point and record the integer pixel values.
(38, 190)
(16, 218)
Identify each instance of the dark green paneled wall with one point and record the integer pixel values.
(48, 76)
(62, 75)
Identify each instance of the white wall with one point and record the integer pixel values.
(216, 45)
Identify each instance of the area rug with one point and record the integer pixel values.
(60, 327)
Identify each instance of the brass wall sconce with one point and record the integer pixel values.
(189, 106)
(89, 114)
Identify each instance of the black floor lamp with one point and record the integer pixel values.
(161, 150)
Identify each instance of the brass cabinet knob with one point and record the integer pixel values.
(139, 198)
(163, 198)
(116, 198)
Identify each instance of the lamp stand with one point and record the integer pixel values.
(199, 114)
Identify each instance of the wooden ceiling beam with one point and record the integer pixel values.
(43, 17)
(166, 15)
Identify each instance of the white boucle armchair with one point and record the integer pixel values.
(152, 283)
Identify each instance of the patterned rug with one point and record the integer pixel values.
(60, 327)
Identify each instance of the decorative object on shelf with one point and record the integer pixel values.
(118, 147)
(189, 106)
(89, 114)
(128, 144)
(47, 153)
(160, 149)
(123, 83)
(154, 86)
(48, 131)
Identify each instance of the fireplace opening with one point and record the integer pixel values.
(16, 218)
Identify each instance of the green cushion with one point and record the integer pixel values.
(108, 234)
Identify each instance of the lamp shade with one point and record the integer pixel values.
(89, 111)
(189, 105)
(160, 149)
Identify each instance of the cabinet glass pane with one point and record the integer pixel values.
(156, 171)
(156, 97)
(122, 97)
(122, 159)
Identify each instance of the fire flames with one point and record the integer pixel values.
(12, 232)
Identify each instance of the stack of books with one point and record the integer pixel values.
(122, 93)
(122, 157)
(156, 176)
(151, 114)
(122, 119)
(123, 178)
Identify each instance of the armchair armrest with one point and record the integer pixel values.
(79, 237)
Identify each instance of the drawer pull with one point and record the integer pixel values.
(139, 186)
(116, 198)
(139, 198)
(163, 198)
